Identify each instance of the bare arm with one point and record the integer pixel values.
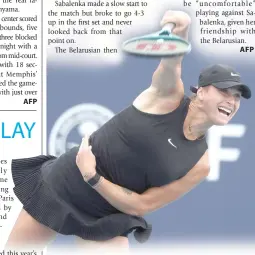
(166, 79)
(132, 203)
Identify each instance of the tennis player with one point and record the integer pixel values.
(145, 157)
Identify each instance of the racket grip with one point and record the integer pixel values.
(168, 27)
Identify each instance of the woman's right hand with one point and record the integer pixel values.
(181, 20)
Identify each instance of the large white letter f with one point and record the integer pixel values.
(217, 153)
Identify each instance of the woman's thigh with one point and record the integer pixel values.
(27, 233)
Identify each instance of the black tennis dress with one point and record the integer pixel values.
(134, 149)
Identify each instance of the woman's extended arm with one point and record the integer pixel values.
(166, 80)
(154, 198)
(131, 202)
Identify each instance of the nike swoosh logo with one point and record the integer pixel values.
(234, 74)
(169, 140)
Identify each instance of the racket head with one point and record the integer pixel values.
(157, 45)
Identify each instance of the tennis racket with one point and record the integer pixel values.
(160, 44)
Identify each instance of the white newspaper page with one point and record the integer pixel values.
(70, 69)
(21, 85)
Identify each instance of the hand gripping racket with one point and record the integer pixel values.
(160, 44)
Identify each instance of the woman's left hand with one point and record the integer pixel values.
(85, 160)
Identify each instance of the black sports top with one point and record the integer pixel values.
(138, 150)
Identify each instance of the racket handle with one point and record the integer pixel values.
(168, 27)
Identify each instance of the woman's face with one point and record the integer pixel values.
(220, 105)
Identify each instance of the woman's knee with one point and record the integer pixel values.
(120, 241)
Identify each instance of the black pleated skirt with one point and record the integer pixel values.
(57, 197)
